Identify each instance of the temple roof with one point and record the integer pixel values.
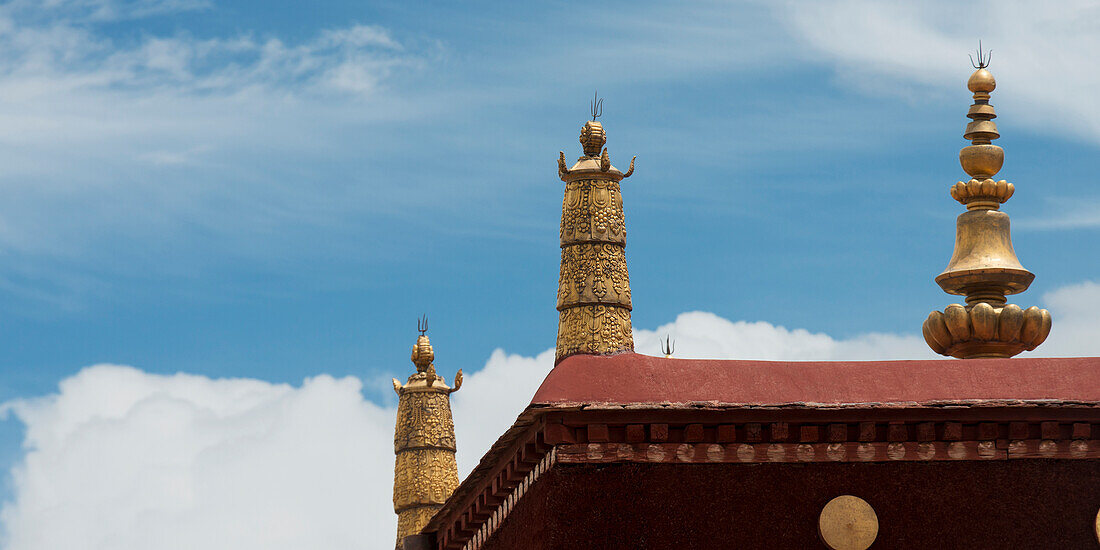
(632, 379)
(1039, 398)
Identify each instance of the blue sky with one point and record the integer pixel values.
(272, 191)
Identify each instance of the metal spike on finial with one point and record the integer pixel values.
(422, 324)
(597, 105)
(668, 347)
(983, 59)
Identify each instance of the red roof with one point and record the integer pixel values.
(630, 378)
(985, 400)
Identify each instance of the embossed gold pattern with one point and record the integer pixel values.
(412, 520)
(424, 420)
(594, 330)
(423, 477)
(425, 472)
(594, 283)
(593, 274)
(984, 267)
(592, 211)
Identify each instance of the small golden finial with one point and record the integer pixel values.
(425, 472)
(984, 267)
(592, 141)
(422, 354)
(668, 347)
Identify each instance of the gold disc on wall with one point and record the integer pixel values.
(848, 523)
(1098, 526)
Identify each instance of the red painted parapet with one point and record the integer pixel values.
(632, 378)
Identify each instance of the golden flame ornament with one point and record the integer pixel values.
(984, 267)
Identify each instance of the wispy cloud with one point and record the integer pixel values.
(103, 10)
(1076, 312)
(170, 152)
(112, 148)
(906, 49)
(65, 58)
(1064, 214)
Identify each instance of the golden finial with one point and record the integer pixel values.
(984, 267)
(422, 356)
(594, 285)
(425, 472)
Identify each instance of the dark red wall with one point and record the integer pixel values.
(996, 504)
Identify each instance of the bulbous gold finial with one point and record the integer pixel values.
(984, 267)
(982, 81)
(592, 138)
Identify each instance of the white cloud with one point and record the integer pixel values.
(123, 459)
(699, 334)
(1066, 214)
(491, 398)
(1075, 310)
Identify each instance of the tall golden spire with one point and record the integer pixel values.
(984, 267)
(425, 472)
(594, 286)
